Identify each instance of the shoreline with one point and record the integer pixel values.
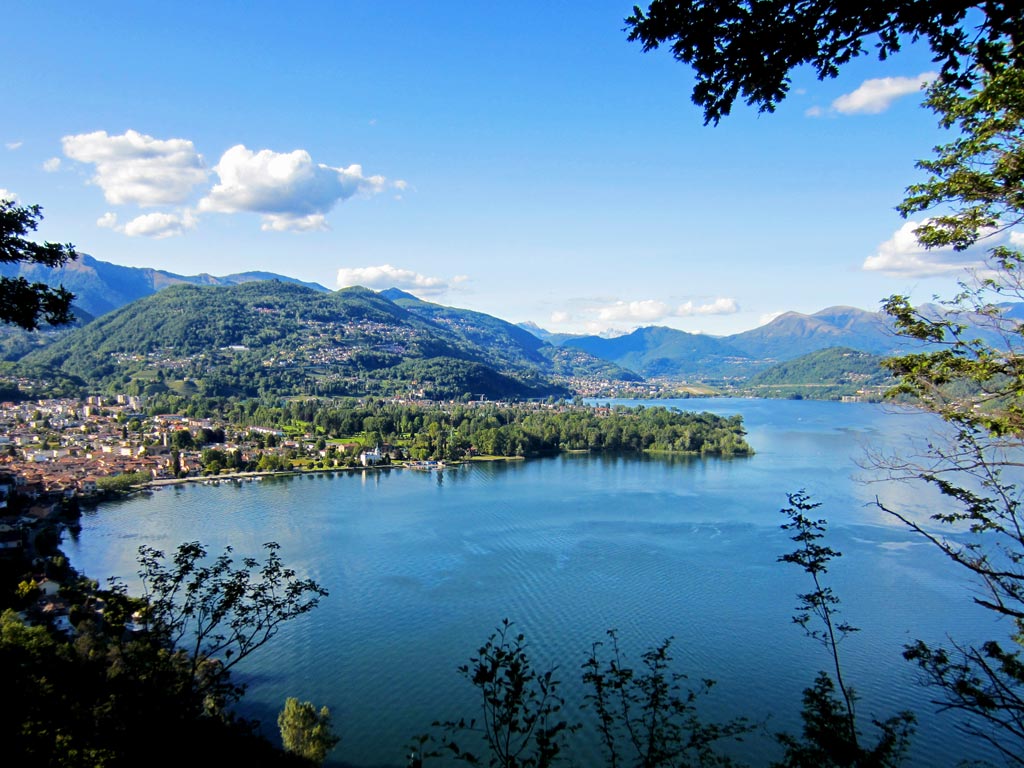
(411, 465)
(169, 481)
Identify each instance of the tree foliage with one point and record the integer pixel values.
(831, 732)
(104, 691)
(104, 698)
(646, 718)
(23, 303)
(821, 603)
(218, 613)
(307, 731)
(826, 741)
(642, 717)
(977, 179)
(977, 385)
(748, 48)
(974, 193)
(521, 723)
(977, 184)
(123, 482)
(496, 429)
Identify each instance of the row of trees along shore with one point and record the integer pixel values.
(506, 430)
(457, 430)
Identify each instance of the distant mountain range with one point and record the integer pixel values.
(793, 333)
(270, 331)
(669, 353)
(101, 287)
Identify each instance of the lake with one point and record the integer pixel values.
(423, 566)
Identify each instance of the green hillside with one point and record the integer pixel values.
(478, 331)
(832, 372)
(269, 337)
(16, 342)
(511, 345)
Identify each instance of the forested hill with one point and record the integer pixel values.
(510, 345)
(279, 338)
(831, 372)
(507, 342)
(527, 353)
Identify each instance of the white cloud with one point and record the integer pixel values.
(877, 95)
(902, 255)
(52, 165)
(289, 190)
(652, 310)
(768, 317)
(717, 307)
(814, 112)
(645, 311)
(1017, 239)
(13, 145)
(560, 316)
(6, 194)
(284, 222)
(157, 226)
(139, 169)
(387, 276)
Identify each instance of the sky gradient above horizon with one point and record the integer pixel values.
(528, 161)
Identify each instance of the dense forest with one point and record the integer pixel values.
(459, 430)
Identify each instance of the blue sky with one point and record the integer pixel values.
(521, 159)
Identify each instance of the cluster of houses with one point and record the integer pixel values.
(54, 450)
(58, 449)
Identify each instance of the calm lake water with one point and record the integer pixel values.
(422, 567)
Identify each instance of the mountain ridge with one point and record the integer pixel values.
(101, 286)
(271, 337)
(655, 352)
